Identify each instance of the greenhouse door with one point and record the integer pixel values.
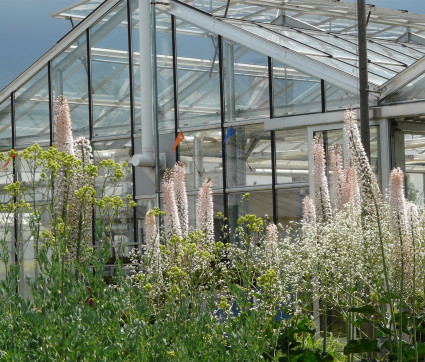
(408, 153)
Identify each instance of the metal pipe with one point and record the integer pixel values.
(363, 77)
(146, 158)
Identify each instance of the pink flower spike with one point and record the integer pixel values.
(179, 175)
(205, 211)
(171, 218)
(320, 182)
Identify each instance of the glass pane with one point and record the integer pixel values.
(201, 153)
(289, 205)
(337, 98)
(38, 195)
(198, 76)
(294, 92)
(122, 234)
(246, 83)
(32, 111)
(164, 72)
(414, 148)
(110, 75)
(260, 203)
(136, 63)
(291, 156)
(248, 155)
(5, 125)
(69, 78)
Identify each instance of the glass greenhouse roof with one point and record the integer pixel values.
(327, 15)
(324, 31)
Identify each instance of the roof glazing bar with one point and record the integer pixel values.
(403, 78)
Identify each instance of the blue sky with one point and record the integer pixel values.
(27, 31)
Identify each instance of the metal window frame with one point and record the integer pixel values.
(132, 113)
(222, 125)
(175, 81)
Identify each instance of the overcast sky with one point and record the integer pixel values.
(27, 31)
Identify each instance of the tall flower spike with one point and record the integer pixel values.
(350, 193)
(370, 192)
(321, 192)
(64, 143)
(337, 167)
(398, 221)
(179, 175)
(171, 218)
(345, 186)
(63, 126)
(415, 241)
(309, 211)
(205, 210)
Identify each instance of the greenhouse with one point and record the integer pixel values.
(248, 84)
(278, 73)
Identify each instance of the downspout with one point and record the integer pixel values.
(146, 158)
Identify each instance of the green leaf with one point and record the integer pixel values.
(361, 346)
(360, 321)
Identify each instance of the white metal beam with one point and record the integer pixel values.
(416, 38)
(258, 44)
(313, 119)
(286, 20)
(403, 78)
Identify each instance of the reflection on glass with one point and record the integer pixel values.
(248, 155)
(201, 153)
(69, 78)
(291, 156)
(294, 92)
(110, 75)
(5, 126)
(289, 205)
(246, 83)
(32, 111)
